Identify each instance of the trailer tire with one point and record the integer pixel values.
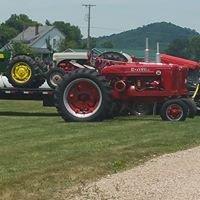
(83, 95)
(192, 107)
(174, 110)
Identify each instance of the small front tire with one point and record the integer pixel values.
(174, 110)
(55, 76)
(192, 107)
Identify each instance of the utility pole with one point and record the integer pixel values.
(89, 6)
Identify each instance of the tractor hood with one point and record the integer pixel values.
(70, 56)
(168, 59)
(139, 69)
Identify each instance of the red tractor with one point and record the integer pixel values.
(94, 95)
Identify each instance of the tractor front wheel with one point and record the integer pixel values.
(192, 107)
(174, 110)
(83, 95)
(55, 76)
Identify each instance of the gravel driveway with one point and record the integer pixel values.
(169, 177)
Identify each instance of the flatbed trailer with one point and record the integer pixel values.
(41, 94)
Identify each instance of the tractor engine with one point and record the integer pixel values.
(134, 81)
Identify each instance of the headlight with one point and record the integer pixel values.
(158, 72)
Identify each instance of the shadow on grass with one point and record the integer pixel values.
(116, 119)
(142, 118)
(28, 114)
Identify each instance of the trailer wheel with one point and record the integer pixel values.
(55, 76)
(192, 107)
(83, 95)
(174, 110)
(22, 71)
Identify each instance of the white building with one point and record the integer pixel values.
(37, 38)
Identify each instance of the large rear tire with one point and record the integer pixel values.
(23, 72)
(83, 95)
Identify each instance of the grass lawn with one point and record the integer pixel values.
(41, 155)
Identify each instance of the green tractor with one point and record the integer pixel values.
(22, 71)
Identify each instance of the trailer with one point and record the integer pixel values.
(45, 95)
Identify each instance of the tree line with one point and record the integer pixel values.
(18, 23)
(186, 48)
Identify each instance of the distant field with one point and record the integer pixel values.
(40, 155)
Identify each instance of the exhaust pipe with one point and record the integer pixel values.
(158, 59)
(146, 58)
(120, 86)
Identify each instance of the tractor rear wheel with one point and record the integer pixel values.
(23, 72)
(174, 110)
(83, 95)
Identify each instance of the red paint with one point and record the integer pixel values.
(147, 81)
(67, 66)
(168, 59)
(83, 97)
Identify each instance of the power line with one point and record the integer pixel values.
(104, 28)
(89, 6)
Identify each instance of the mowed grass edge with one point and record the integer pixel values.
(41, 156)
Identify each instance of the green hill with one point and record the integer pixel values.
(162, 32)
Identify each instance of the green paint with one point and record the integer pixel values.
(4, 61)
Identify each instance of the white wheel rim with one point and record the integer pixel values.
(69, 108)
(55, 79)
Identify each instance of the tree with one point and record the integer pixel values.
(73, 35)
(21, 48)
(20, 22)
(107, 45)
(13, 26)
(186, 48)
(65, 44)
(17, 23)
(93, 43)
(180, 48)
(194, 48)
(6, 33)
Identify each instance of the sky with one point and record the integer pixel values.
(108, 16)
